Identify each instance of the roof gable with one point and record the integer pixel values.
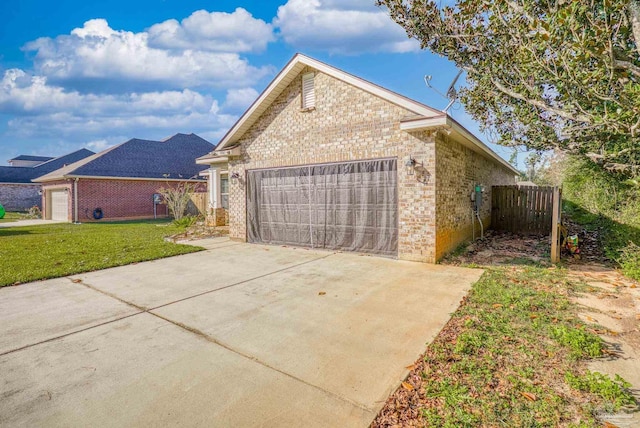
(297, 64)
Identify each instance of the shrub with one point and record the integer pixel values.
(177, 197)
(186, 221)
(34, 212)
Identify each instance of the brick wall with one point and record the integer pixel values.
(350, 124)
(119, 199)
(347, 124)
(19, 197)
(458, 170)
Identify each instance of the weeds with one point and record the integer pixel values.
(615, 391)
(581, 344)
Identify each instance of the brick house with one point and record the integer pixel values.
(324, 159)
(17, 190)
(120, 182)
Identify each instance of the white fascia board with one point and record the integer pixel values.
(95, 177)
(211, 160)
(423, 123)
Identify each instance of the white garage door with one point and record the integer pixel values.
(59, 205)
(351, 206)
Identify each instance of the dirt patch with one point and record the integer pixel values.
(501, 248)
(200, 231)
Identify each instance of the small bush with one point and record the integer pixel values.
(34, 213)
(616, 391)
(186, 221)
(581, 344)
(629, 260)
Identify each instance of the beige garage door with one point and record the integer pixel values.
(59, 205)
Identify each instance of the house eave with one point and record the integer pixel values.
(97, 177)
(212, 159)
(459, 132)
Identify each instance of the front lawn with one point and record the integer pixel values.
(49, 251)
(10, 216)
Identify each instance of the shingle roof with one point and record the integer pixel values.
(31, 158)
(16, 174)
(20, 174)
(173, 158)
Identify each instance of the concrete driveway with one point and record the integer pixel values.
(236, 336)
(32, 222)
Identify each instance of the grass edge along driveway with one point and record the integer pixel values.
(33, 253)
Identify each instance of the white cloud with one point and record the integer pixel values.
(240, 99)
(97, 52)
(98, 145)
(344, 27)
(213, 31)
(42, 110)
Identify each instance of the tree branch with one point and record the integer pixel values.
(627, 65)
(563, 114)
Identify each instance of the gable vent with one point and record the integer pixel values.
(308, 91)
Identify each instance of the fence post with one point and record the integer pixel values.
(555, 229)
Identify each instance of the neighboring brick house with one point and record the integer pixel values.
(324, 159)
(17, 191)
(119, 183)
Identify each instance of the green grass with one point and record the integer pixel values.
(11, 216)
(614, 391)
(49, 251)
(511, 356)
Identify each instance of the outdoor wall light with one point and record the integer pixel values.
(411, 162)
(235, 176)
(412, 165)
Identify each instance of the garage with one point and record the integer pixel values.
(341, 206)
(59, 205)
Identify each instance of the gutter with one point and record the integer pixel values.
(75, 200)
(66, 177)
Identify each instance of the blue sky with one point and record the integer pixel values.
(92, 74)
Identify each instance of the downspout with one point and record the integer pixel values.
(75, 200)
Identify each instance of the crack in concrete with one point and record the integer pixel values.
(201, 334)
(213, 340)
(142, 309)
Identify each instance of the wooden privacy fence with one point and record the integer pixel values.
(524, 209)
(199, 204)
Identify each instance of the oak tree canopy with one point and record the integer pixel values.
(546, 74)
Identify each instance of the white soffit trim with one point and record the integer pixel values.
(210, 160)
(464, 136)
(291, 71)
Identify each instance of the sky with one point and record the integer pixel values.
(78, 73)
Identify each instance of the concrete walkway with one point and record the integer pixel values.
(237, 335)
(34, 222)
